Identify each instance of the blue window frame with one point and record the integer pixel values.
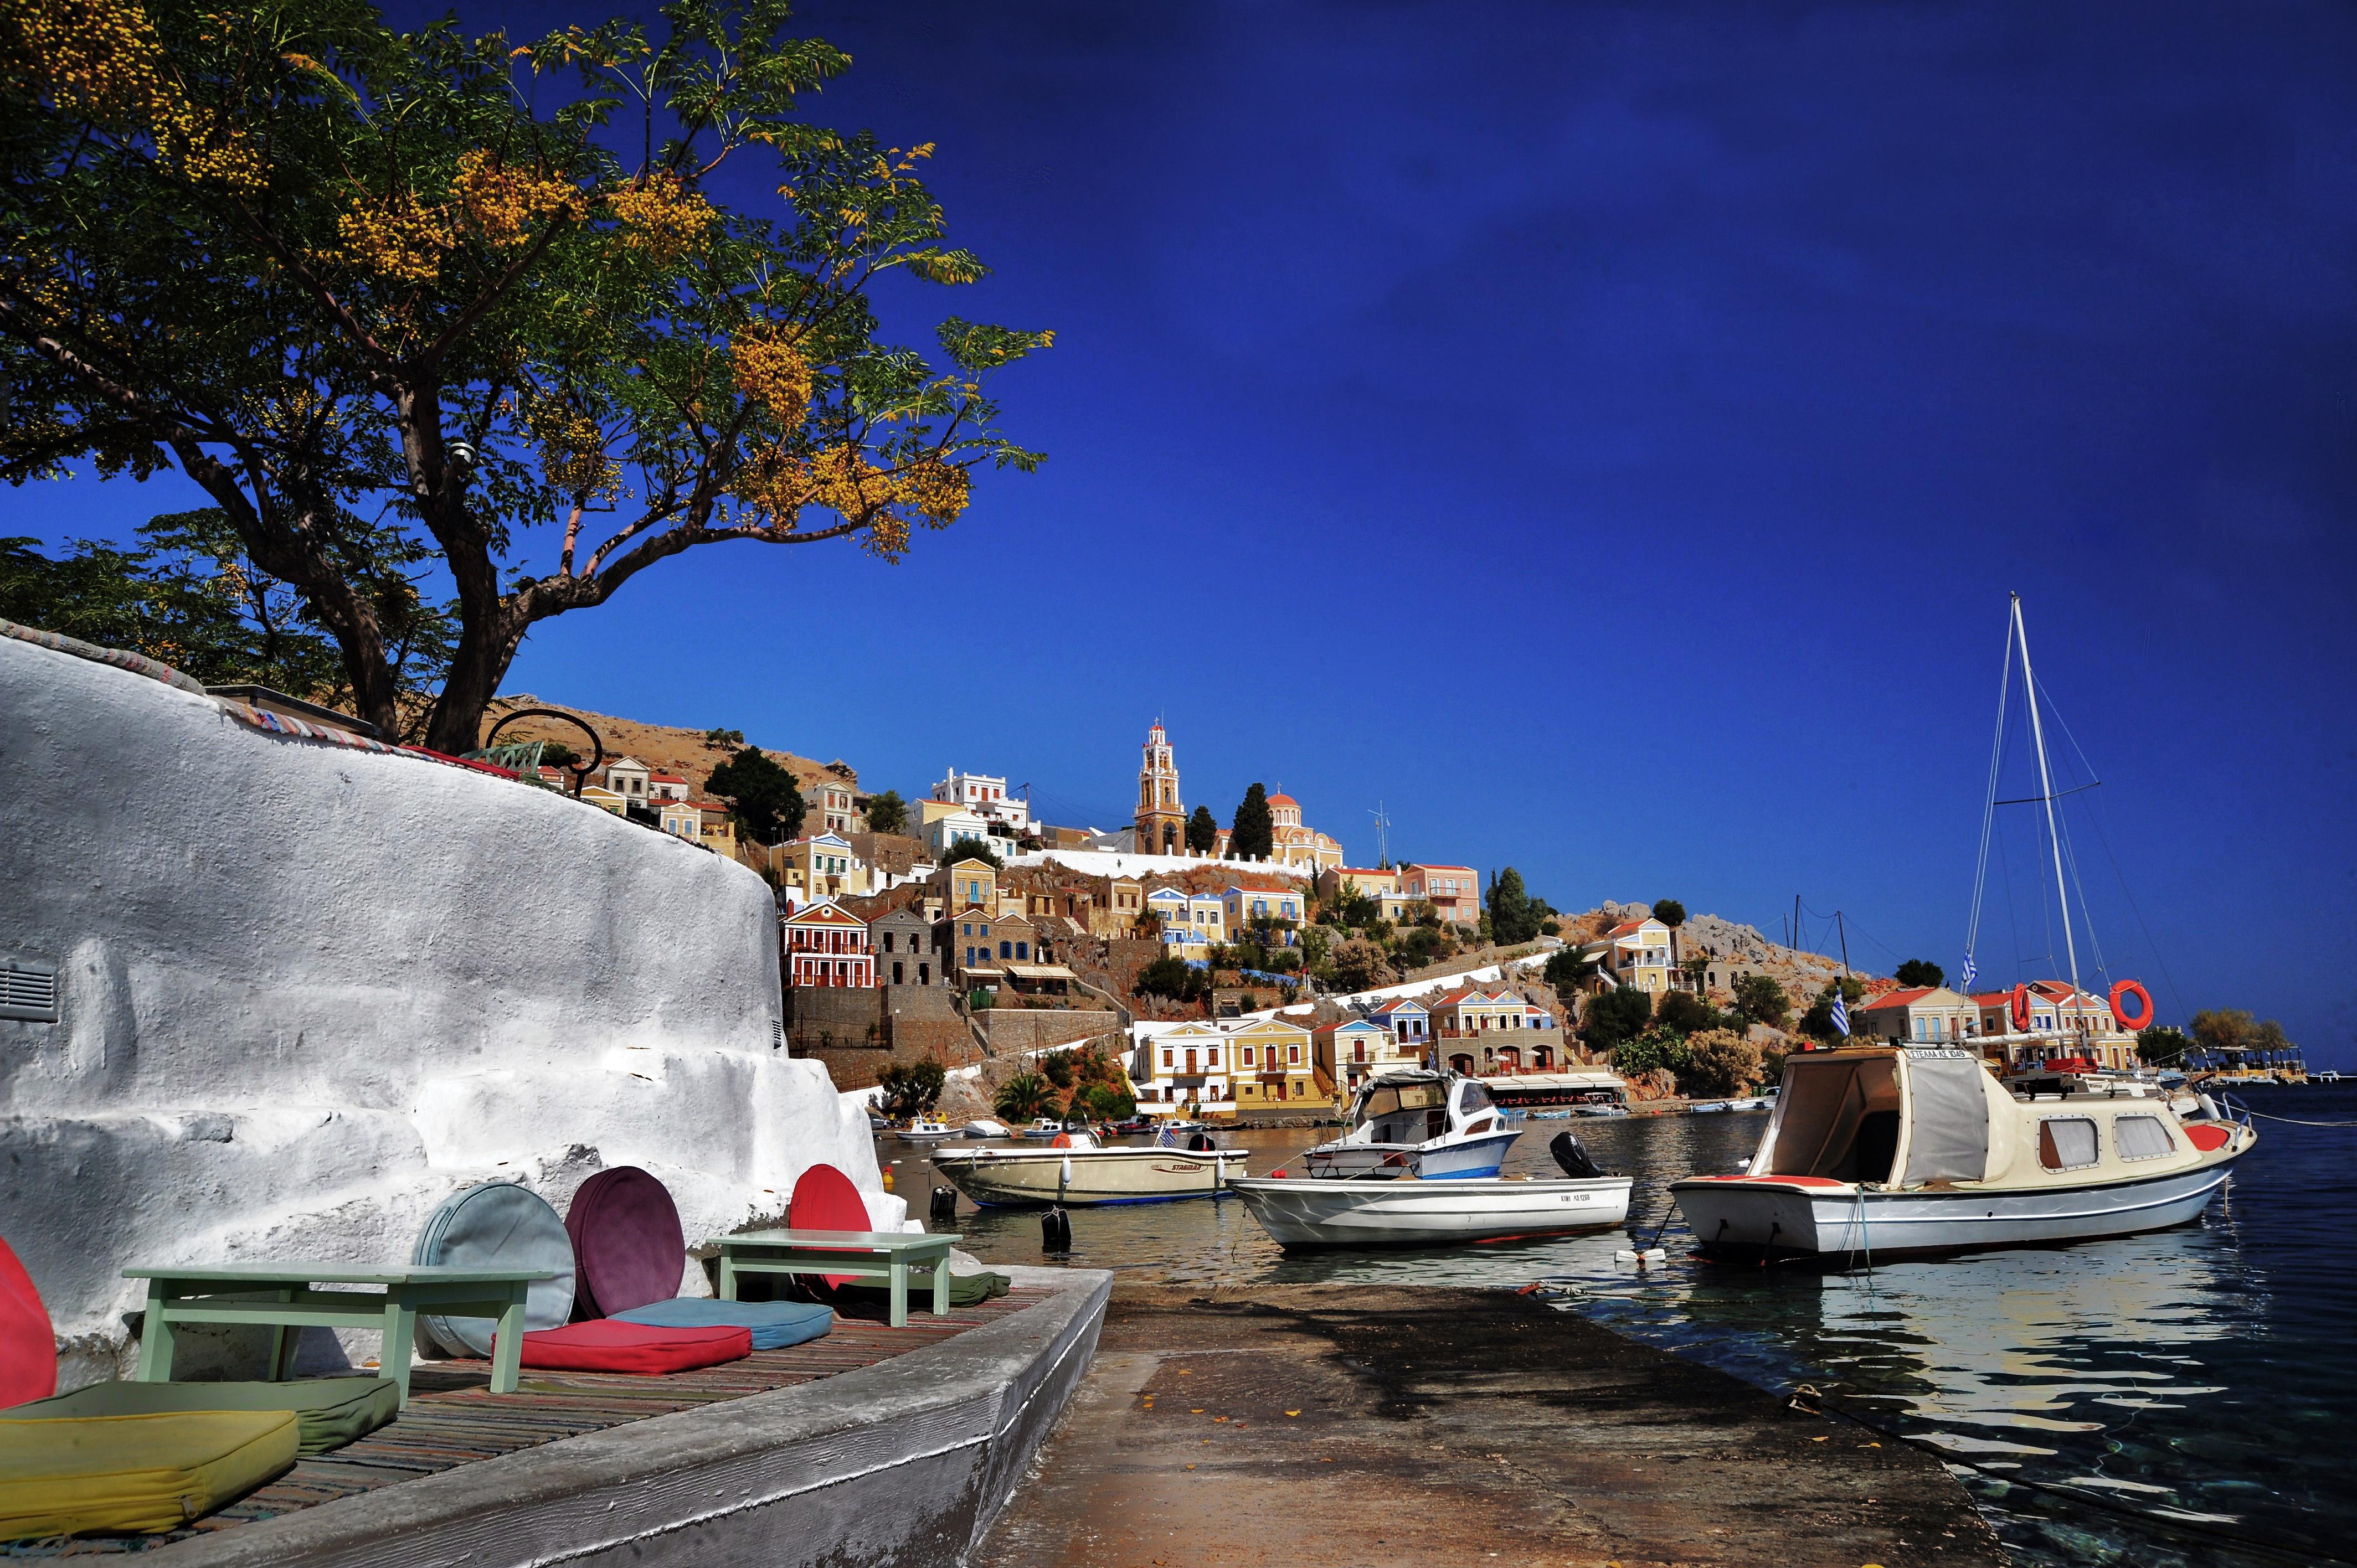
(1022, 949)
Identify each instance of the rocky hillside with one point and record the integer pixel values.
(665, 750)
(1802, 974)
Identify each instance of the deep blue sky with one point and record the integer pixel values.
(1607, 437)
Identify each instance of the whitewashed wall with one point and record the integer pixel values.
(307, 991)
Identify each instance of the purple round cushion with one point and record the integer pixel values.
(626, 1235)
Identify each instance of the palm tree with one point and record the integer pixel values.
(1025, 1097)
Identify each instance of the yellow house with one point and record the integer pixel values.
(968, 885)
(1276, 1068)
(1188, 1065)
(605, 800)
(822, 866)
(1634, 953)
(719, 829)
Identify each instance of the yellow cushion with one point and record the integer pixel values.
(127, 1473)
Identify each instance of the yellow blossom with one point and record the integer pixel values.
(503, 203)
(395, 239)
(662, 218)
(934, 490)
(101, 57)
(572, 448)
(772, 374)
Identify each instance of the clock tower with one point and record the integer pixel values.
(1161, 819)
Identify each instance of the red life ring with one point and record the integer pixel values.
(2022, 1008)
(2135, 989)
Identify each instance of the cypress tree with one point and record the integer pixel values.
(1202, 831)
(1253, 835)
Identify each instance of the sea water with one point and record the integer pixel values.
(2151, 1401)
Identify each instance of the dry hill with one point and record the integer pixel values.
(665, 750)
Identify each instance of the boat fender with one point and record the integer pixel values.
(2141, 1018)
(1055, 1231)
(2022, 1008)
(944, 1205)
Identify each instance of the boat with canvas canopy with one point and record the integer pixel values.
(1435, 1125)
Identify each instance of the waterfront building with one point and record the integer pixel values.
(1923, 1015)
(826, 945)
(1190, 1064)
(1453, 891)
(967, 944)
(1482, 1033)
(1634, 953)
(1408, 1021)
(986, 796)
(2062, 1022)
(1276, 1068)
(1350, 1052)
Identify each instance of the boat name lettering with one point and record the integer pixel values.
(1923, 1054)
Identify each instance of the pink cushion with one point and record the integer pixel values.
(825, 1200)
(29, 1349)
(626, 1240)
(607, 1345)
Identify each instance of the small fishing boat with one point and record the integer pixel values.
(1421, 1123)
(925, 1129)
(1301, 1213)
(1708, 1108)
(1077, 1172)
(1044, 1127)
(984, 1127)
(1601, 1109)
(1889, 1151)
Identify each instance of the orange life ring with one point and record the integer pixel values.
(2135, 989)
(2022, 1008)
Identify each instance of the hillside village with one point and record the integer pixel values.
(1241, 972)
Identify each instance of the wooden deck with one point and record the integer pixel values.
(453, 1419)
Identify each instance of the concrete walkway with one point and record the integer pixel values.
(1346, 1425)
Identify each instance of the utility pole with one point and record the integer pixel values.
(1383, 835)
(1796, 922)
(1845, 942)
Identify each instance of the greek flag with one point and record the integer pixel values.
(1841, 1013)
(1964, 979)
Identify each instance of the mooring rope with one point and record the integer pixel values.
(2294, 1119)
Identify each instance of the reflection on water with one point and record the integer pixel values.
(2203, 1374)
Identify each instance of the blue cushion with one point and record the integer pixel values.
(497, 1226)
(775, 1324)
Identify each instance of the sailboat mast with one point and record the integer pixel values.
(2046, 788)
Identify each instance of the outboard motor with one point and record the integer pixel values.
(1055, 1231)
(944, 1210)
(1200, 1144)
(1573, 1158)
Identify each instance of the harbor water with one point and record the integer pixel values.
(2177, 1400)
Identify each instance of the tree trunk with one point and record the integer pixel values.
(487, 645)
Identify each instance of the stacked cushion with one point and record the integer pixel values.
(497, 1226)
(126, 1472)
(774, 1324)
(825, 1200)
(328, 1411)
(609, 1344)
(627, 1239)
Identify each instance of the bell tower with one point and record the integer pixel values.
(1161, 819)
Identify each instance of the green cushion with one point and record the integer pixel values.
(328, 1411)
(965, 1290)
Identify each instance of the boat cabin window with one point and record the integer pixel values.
(2142, 1138)
(1475, 1097)
(2066, 1143)
(1405, 1113)
(1835, 1119)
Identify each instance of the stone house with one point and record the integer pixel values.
(902, 943)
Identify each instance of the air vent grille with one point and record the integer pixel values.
(28, 991)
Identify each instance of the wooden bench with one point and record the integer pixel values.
(386, 1299)
(887, 1255)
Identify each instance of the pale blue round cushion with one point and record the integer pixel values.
(497, 1226)
(775, 1324)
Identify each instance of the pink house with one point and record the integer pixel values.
(827, 946)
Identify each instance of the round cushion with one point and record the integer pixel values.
(28, 1348)
(627, 1241)
(497, 1226)
(825, 1200)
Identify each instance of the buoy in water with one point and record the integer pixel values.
(1055, 1231)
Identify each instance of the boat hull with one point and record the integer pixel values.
(1780, 1217)
(1028, 1178)
(1462, 1160)
(1302, 1213)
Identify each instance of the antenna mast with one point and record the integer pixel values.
(2046, 787)
(1383, 835)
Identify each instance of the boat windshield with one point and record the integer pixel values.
(1385, 1099)
(1475, 1097)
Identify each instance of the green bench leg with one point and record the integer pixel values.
(507, 1351)
(155, 1339)
(400, 1343)
(899, 1292)
(942, 1285)
(280, 1336)
(727, 1277)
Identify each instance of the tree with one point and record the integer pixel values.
(1720, 1062)
(412, 301)
(2162, 1046)
(1614, 1017)
(1673, 914)
(1513, 913)
(914, 1088)
(1919, 972)
(1760, 999)
(974, 849)
(1166, 977)
(1818, 1022)
(1105, 1102)
(723, 739)
(1684, 1013)
(1025, 1097)
(2226, 1029)
(1202, 831)
(1360, 965)
(1253, 835)
(1696, 969)
(1654, 1050)
(1568, 970)
(768, 805)
(1057, 1066)
(886, 813)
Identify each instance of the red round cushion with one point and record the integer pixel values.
(626, 1240)
(605, 1345)
(28, 1347)
(2207, 1135)
(825, 1200)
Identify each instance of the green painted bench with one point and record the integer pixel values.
(887, 1255)
(385, 1299)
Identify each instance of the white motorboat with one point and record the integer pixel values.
(984, 1127)
(1886, 1151)
(1601, 1109)
(1416, 1121)
(925, 1129)
(1076, 1171)
(1043, 1127)
(1708, 1108)
(1300, 1212)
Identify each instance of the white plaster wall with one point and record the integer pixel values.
(306, 993)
